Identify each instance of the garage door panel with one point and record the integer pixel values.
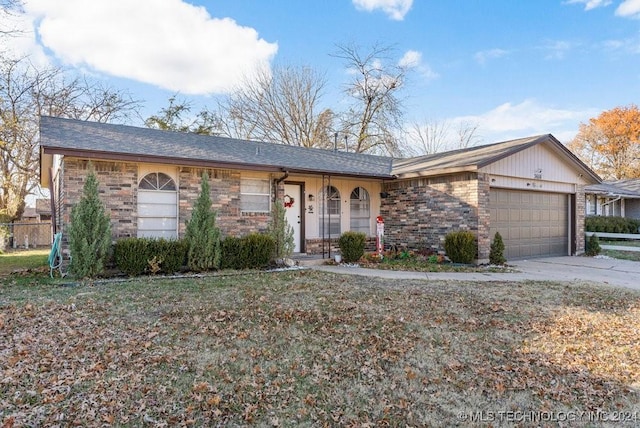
(532, 224)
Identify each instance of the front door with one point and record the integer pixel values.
(293, 205)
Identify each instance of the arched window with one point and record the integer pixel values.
(359, 209)
(157, 207)
(329, 212)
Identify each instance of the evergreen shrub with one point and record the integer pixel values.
(89, 232)
(252, 251)
(592, 247)
(461, 246)
(135, 256)
(352, 246)
(496, 253)
(202, 234)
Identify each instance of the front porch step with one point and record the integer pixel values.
(309, 259)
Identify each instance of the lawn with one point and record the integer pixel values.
(20, 260)
(312, 349)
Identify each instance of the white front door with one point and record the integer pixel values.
(293, 206)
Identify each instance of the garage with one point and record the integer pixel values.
(532, 223)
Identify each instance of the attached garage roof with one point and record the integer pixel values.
(474, 158)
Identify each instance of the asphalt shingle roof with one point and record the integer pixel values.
(59, 135)
(109, 141)
(629, 188)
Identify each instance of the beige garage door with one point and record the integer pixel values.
(532, 224)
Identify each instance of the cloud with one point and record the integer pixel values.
(169, 44)
(483, 56)
(395, 9)
(413, 60)
(590, 4)
(410, 59)
(629, 9)
(557, 49)
(528, 118)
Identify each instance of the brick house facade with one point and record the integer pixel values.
(421, 199)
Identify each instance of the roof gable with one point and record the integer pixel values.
(475, 158)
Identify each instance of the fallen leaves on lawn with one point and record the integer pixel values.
(314, 349)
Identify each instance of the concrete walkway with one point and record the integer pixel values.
(605, 271)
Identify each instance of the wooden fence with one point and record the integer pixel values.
(26, 235)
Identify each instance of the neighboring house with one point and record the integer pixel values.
(530, 189)
(33, 229)
(619, 198)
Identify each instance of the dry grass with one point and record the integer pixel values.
(309, 348)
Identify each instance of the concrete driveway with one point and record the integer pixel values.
(605, 271)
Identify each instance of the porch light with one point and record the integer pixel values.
(311, 198)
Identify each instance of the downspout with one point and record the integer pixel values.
(278, 181)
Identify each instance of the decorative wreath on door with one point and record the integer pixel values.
(288, 201)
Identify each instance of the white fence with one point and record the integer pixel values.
(628, 236)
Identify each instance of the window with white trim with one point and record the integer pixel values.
(255, 195)
(157, 207)
(330, 212)
(359, 210)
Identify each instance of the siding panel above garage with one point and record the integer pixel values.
(536, 163)
(532, 224)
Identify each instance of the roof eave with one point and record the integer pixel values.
(435, 172)
(198, 163)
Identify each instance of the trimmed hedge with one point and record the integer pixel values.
(611, 224)
(461, 246)
(135, 256)
(352, 246)
(252, 251)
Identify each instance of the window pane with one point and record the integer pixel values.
(359, 210)
(249, 185)
(255, 195)
(254, 203)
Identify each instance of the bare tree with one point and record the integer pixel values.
(172, 118)
(9, 9)
(467, 135)
(433, 136)
(26, 93)
(374, 118)
(282, 106)
(428, 137)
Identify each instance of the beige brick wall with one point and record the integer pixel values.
(117, 185)
(118, 192)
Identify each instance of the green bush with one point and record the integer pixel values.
(592, 247)
(202, 234)
(170, 254)
(130, 255)
(135, 256)
(352, 246)
(89, 232)
(252, 251)
(496, 253)
(281, 231)
(611, 224)
(461, 246)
